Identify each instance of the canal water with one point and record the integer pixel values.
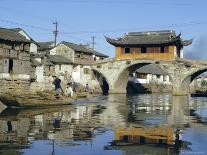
(108, 125)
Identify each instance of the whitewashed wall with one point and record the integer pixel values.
(153, 78)
(63, 50)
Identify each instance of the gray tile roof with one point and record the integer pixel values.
(10, 35)
(43, 46)
(154, 69)
(99, 54)
(58, 59)
(84, 49)
(77, 48)
(149, 38)
(20, 29)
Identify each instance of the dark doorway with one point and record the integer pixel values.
(9, 125)
(105, 87)
(102, 81)
(10, 66)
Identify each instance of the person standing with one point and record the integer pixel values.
(69, 90)
(87, 88)
(57, 83)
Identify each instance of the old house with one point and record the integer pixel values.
(161, 45)
(152, 73)
(33, 44)
(14, 61)
(62, 66)
(82, 57)
(47, 66)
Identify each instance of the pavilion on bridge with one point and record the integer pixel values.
(161, 45)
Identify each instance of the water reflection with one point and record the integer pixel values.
(115, 124)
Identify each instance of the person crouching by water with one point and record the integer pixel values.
(69, 90)
(58, 88)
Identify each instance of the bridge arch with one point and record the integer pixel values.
(102, 80)
(191, 76)
(120, 83)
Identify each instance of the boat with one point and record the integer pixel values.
(34, 100)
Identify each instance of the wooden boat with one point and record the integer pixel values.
(31, 99)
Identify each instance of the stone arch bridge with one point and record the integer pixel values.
(181, 72)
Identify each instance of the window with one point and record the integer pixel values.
(127, 50)
(141, 76)
(162, 49)
(86, 71)
(143, 50)
(10, 66)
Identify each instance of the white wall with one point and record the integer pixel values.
(63, 50)
(76, 73)
(33, 48)
(39, 72)
(79, 77)
(154, 78)
(63, 71)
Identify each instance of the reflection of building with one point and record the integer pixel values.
(151, 105)
(144, 136)
(14, 132)
(179, 115)
(67, 124)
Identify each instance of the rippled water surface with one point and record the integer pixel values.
(112, 125)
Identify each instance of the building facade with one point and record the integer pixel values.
(161, 45)
(15, 63)
(82, 58)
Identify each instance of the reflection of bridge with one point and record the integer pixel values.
(181, 72)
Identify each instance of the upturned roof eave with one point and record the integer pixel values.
(120, 43)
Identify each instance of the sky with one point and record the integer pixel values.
(79, 20)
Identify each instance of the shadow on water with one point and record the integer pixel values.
(136, 88)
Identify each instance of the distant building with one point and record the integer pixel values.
(15, 65)
(152, 73)
(45, 46)
(161, 45)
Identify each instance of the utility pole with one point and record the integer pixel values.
(93, 41)
(56, 31)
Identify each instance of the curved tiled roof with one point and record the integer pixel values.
(11, 35)
(58, 59)
(149, 38)
(83, 48)
(154, 69)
